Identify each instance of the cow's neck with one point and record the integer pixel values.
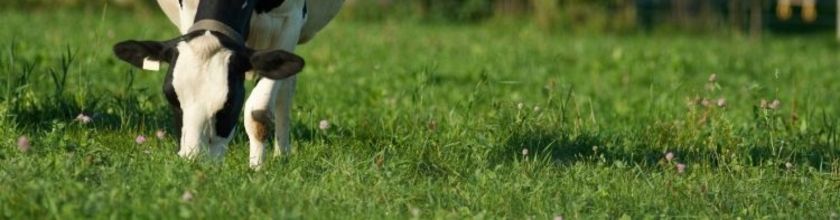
(225, 16)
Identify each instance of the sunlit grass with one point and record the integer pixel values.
(401, 120)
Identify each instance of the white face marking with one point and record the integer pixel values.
(244, 4)
(200, 79)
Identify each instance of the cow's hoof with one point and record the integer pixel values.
(188, 155)
(255, 167)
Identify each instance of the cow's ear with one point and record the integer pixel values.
(145, 54)
(276, 64)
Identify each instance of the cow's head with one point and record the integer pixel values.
(205, 81)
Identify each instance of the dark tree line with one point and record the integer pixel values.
(748, 16)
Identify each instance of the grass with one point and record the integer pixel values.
(434, 121)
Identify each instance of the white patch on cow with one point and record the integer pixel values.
(172, 9)
(200, 79)
(244, 4)
(149, 64)
(187, 15)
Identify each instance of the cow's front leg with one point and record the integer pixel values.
(188, 152)
(258, 116)
(191, 140)
(283, 117)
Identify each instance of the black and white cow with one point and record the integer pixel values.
(222, 40)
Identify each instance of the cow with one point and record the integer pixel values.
(220, 41)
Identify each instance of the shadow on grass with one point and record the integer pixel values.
(563, 149)
(108, 117)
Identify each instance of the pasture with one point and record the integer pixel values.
(400, 119)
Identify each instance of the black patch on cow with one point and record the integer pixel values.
(172, 98)
(228, 12)
(264, 6)
(277, 64)
(262, 116)
(227, 117)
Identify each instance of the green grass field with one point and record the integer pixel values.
(434, 122)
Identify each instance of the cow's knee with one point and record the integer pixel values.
(257, 122)
(256, 125)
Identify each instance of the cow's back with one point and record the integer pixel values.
(275, 27)
(319, 14)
